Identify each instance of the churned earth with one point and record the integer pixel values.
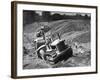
(75, 32)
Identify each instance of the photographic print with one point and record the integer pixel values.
(57, 40)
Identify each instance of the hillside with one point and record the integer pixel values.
(71, 30)
(60, 25)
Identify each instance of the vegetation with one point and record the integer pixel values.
(46, 16)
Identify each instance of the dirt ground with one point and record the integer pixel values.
(76, 31)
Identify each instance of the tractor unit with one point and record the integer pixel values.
(49, 50)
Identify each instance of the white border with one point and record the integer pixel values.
(21, 72)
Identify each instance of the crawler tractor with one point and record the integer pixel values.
(52, 51)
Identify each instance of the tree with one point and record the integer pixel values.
(86, 16)
(28, 17)
(46, 15)
(56, 16)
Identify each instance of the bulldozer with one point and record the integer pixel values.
(50, 50)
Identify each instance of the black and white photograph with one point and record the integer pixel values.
(53, 39)
(56, 39)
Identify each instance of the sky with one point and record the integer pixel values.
(66, 13)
